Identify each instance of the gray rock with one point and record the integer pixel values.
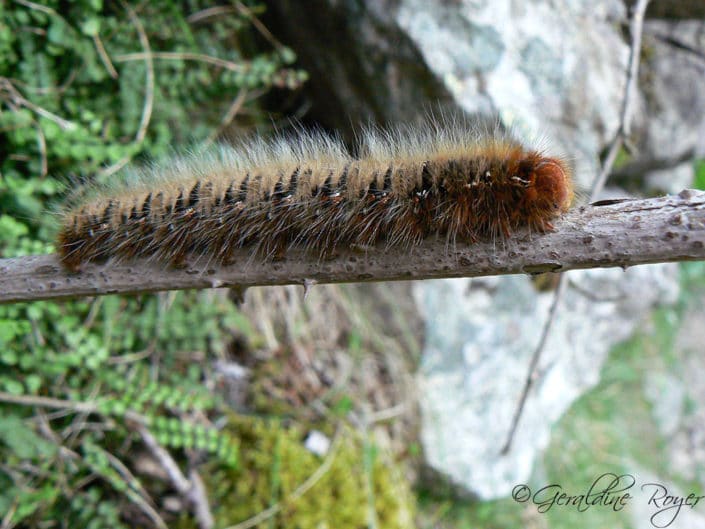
(480, 335)
(674, 88)
(669, 127)
(686, 446)
(671, 180)
(518, 60)
(552, 68)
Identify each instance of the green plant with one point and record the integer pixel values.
(354, 485)
(87, 87)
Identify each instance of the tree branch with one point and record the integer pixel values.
(193, 490)
(605, 234)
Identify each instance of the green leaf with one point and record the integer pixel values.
(33, 383)
(8, 331)
(91, 27)
(57, 32)
(12, 229)
(13, 386)
(9, 357)
(699, 182)
(22, 440)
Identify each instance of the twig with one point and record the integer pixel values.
(141, 497)
(181, 56)
(616, 233)
(387, 414)
(149, 76)
(192, 490)
(215, 11)
(7, 519)
(621, 136)
(258, 25)
(625, 121)
(44, 90)
(38, 7)
(680, 45)
(177, 478)
(42, 145)
(19, 100)
(48, 402)
(532, 373)
(104, 57)
(199, 499)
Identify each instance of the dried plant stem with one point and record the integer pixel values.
(532, 373)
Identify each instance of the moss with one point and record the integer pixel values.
(360, 485)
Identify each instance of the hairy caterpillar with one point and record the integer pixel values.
(307, 191)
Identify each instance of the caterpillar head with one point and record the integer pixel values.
(550, 190)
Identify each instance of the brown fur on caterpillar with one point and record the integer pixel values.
(307, 191)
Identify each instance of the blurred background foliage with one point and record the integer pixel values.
(87, 87)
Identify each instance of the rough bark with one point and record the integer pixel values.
(605, 234)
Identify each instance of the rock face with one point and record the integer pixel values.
(518, 59)
(672, 87)
(550, 68)
(480, 335)
(679, 406)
